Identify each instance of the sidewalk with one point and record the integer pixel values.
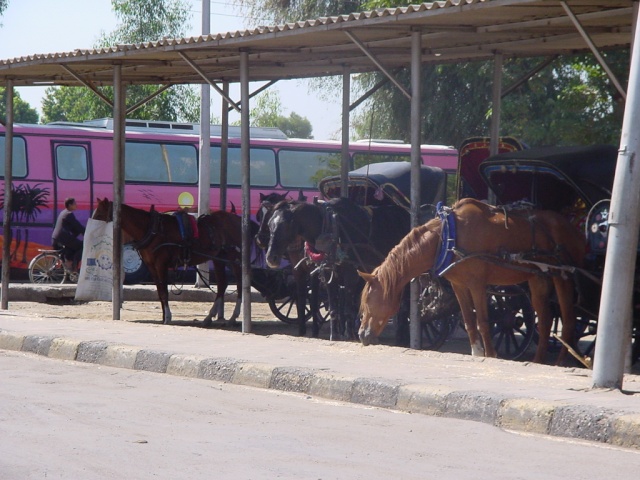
(512, 395)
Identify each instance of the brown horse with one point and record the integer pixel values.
(161, 245)
(494, 247)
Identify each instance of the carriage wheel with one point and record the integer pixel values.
(514, 322)
(47, 268)
(436, 332)
(286, 311)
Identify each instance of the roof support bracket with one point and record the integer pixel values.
(368, 93)
(529, 75)
(375, 61)
(594, 49)
(257, 91)
(88, 84)
(213, 84)
(137, 105)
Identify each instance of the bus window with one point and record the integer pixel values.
(262, 165)
(360, 159)
(183, 163)
(160, 163)
(19, 166)
(305, 169)
(71, 162)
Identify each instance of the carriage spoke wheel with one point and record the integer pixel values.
(513, 322)
(435, 332)
(286, 311)
(47, 268)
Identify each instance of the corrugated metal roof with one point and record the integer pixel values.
(452, 31)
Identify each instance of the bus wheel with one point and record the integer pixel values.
(135, 271)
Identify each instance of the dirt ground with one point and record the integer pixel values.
(183, 313)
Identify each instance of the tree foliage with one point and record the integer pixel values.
(139, 21)
(283, 11)
(571, 101)
(268, 113)
(22, 111)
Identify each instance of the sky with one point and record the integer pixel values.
(52, 26)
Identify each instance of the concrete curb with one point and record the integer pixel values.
(521, 414)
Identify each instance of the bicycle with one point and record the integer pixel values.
(49, 267)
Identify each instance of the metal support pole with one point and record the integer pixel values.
(614, 317)
(496, 104)
(204, 178)
(246, 190)
(344, 164)
(496, 107)
(119, 108)
(8, 200)
(416, 161)
(224, 147)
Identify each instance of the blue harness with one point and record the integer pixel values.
(444, 257)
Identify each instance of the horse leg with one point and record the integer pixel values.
(314, 305)
(217, 309)
(564, 292)
(237, 272)
(301, 305)
(163, 295)
(333, 294)
(159, 276)
(479, 295)
(540, 288)
(466, 307)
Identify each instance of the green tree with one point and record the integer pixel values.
(139, 21)
(3, 6)
(282, 11)
(268, 113)
(22, 111)
(571, 101)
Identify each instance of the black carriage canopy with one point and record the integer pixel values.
(552, 178)
(388, 183)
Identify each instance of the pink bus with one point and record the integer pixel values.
(59, 160)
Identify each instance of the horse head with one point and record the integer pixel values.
(282, 231)
(267, 203)
(104, 210)
(375, 308)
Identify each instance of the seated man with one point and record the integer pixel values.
(65, 235)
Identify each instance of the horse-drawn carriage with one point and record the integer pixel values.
(571, 183)
(577, 182)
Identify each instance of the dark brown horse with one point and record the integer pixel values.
(162, 246)
(494, 246)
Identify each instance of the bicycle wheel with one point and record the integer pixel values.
(47, 268)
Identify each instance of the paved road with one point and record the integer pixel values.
(514, 395)
(70, 420)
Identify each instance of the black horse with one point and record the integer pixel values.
(340, 238)
(306, 285)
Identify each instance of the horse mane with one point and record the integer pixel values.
(402, 255)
